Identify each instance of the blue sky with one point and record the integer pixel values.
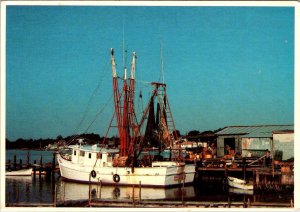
(223, 65)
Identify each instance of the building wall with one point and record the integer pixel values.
(284, 143)
(255, 146)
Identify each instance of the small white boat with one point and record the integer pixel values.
(238, 183)
(21, 172)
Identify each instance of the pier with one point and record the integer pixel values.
(275, 176)
(38, 168)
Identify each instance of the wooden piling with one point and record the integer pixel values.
(100, 189)
(229, 202)
(27, 159)
(256, 177)
(15, 162)
(63, 196)
(133, 194)
(34, 168)
(140, 193)
(41, 165)
(53, 164)
(182, 198)
(89, 188)
(21, 166)
(9, 165)
(244, 168)
(226, 171)
(55, 196)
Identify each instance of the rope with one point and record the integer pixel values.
(99, 112)
(91, 98)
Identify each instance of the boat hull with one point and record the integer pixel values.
(238, 183)
(22, 172)
(145, 176)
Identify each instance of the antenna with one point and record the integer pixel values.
(162, 62)
(124, 55)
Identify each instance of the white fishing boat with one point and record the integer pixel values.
(21, 172)
(130, 164)
(238, 183)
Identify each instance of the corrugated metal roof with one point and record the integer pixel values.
(262, 131)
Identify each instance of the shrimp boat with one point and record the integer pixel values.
(139, 159)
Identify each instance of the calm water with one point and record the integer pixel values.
(34, 155)
(41, 189)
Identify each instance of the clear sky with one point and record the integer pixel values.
(223, 65)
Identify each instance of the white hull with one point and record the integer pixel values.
(238, 183)
(22, 172)
(241, 191)
(163, 176)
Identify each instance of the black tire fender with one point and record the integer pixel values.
(93, 173)
(116, 178)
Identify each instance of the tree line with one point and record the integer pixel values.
(21, 143)
(89, 138)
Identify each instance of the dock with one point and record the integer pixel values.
(180, 204)
(40, 168)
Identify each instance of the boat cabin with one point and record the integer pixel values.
(88, 155)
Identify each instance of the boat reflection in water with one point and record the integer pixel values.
(77, 191)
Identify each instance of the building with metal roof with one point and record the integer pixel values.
(254, 140)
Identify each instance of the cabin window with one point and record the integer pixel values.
(82, 153)
(90, 155)
(74, 152)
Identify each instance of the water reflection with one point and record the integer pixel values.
(35, 190)
(74, 191)
(28, 189)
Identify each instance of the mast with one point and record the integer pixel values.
(162, 62)
(131, 110)
(124, 106)
(118, 107)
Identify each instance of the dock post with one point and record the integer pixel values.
(100, 189)
(27, 159)
(229, 202)
(63, 194)
(55, 196)
(89, 188)
(17, 195)
(244, 168)
(8, 199)
(140, 193)
(15, 162)
(34, 168)
(41, 165)
(21, 166)
(256, 177)
(53, 164)
(9, 165)
(182, 199)
(133, 193)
